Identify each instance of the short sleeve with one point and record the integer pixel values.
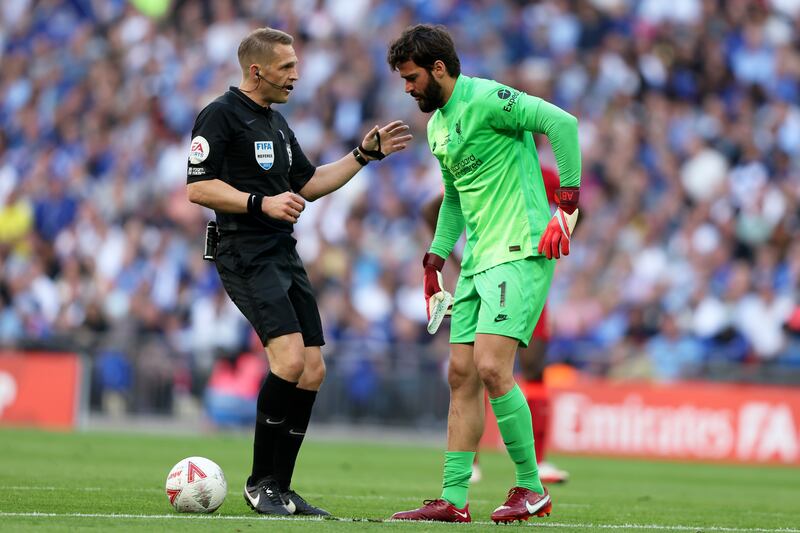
(210, 137)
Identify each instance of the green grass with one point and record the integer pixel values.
(102, 474)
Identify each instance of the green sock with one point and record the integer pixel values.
(457, 471)
(514, 419)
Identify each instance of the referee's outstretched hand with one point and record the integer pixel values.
(284, 206)
(391, 138)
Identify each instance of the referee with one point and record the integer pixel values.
(246, 165)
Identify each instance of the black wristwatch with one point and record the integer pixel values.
(360, 158)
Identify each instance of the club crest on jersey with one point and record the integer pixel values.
(265, 154)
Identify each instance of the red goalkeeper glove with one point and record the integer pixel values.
(556, 236)
(437, 300)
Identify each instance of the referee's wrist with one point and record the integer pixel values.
(254, 202)
(360, 157)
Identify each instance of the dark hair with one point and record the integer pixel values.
(259, 43)
(424, 44)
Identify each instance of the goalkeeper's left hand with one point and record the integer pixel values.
(556, 236)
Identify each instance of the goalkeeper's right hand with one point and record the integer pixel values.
(437, 300)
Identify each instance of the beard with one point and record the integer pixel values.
(432, 98)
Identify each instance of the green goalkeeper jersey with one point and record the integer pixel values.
(493, 185)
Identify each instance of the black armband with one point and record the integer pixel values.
(254, 204)
(360, 158)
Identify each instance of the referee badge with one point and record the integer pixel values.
(265, 155)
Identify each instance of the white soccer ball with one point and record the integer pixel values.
(196, 485)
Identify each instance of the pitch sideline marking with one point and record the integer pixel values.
(295, 518)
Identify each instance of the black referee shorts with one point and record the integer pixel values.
(265, 278)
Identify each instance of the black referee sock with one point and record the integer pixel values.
(288, 446)
(271, 421)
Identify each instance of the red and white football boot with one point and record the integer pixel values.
(550, 473)
(522, 504)
(437, 511)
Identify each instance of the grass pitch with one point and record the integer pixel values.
(101, 481)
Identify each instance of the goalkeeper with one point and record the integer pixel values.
(481, 133)
(532, 360)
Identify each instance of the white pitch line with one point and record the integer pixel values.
(309, 494)
(539, 523)
(153, 516)
(663, 527)
(82, 489)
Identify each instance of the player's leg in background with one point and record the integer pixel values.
(477, 473)
(533, 360)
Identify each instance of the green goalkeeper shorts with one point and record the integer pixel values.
(504, 300)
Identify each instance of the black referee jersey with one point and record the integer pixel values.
(251, 148)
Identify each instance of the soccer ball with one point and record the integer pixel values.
(196, 485)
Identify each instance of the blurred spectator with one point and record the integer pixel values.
(690, 130)
(674, 354)
(232, 390)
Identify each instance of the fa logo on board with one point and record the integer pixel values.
(265, 154)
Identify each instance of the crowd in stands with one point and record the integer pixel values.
(687, 254)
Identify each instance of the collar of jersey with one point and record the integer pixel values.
(248, 102)
(458, 90)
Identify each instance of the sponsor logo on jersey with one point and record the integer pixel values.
(265, 154)
(503, 94)
(510, 105)
(197, 171)
(468, 164)
(199, 150)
